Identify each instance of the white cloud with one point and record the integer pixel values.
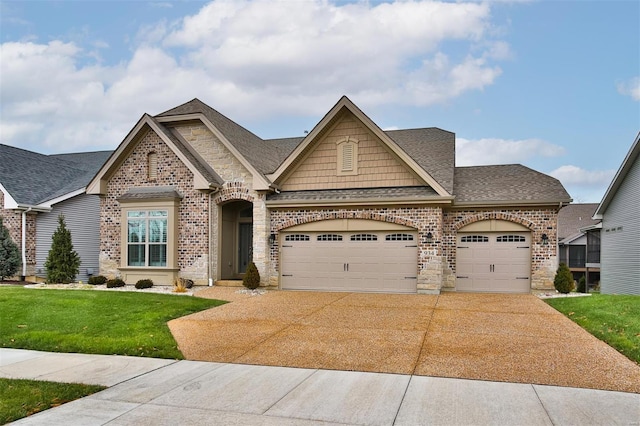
(476, 152)
(630, 87)
(574, 175)
(251, 60)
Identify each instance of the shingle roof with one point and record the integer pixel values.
(573, 217)
(260, 153)
(33, 178)
(432, 148)
(354, 194)
(511, 183)
(150, 192)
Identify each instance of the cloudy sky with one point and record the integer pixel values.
(552, 85)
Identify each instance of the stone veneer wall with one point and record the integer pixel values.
(539, 221)
(238, 186)
(193, 239)
(423, 219)
(12, 220)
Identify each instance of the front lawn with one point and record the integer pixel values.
(93, 322)
(613, 319)
(22, 398)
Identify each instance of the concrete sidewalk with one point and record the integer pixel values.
(147, 391)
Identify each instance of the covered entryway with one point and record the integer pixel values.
(349, 255)
(237, 239)
(493, 256)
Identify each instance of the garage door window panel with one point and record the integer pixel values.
(297, 237)
(329, 237)
(364, 237)
(511, 239)
(398, 237)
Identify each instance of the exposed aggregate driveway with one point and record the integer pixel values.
(509, 338)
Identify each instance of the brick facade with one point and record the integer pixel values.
(12, 220)
(193, 238)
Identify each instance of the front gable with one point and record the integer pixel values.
(349, 155)
(381, 162)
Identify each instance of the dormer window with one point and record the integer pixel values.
(152, 166)
(347, 156)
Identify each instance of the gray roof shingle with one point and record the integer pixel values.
(354, 194)
(33, 178)
(510, 183)
(573, 217)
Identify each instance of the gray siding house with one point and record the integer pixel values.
(34, 190)
(620, 234)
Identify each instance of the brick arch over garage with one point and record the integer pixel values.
(333, 215)
(494, 215)
(233, 191)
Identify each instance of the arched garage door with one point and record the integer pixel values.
(357, 260)
(497, 261)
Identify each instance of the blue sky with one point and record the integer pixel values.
(552, 85)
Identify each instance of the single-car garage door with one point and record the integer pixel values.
(350, 261)
(494, 262)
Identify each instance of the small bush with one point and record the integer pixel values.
(563, 281)
(179, 285)
(251, 279)
(97, 280)
(582, 284)
(116, 282)
(144, 284)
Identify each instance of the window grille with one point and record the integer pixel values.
(399, 237)
(329, 237)
(475, 239)
(511, 239)
(296, 237)
(364, 237)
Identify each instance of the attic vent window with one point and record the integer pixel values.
(347, 156)
(152, 164)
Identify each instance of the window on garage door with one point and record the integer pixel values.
(474, 239)
(511, 239)
(296, 237)
(329, 237)
(398, 237)
(364, 237)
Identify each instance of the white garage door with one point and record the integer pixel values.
(494, 262)
(350, 261)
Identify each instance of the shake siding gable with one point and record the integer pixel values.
(376, 165)
(620, 238)
(82, 214)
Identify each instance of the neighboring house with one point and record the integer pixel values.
(34, 190)
(578, 241)
(349, 207)
(619, 211)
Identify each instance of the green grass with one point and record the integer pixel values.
(22, 398)
(94, 322)
(613, 319)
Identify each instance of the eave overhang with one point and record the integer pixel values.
(401, 201)
(558, 204)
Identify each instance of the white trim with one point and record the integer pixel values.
(64, 197)
(9, 202)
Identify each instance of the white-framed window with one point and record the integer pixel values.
(347, 156)
(147, 238)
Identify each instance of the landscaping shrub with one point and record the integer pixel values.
(116, 282)
(144, 284)
(179, 285)
(97, 279)
(251, 278)
(582, 284)
(563, 281)
(63, 262)
(9, 254)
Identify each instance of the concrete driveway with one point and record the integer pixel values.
(509, 338)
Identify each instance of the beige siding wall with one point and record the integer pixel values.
(377, 167)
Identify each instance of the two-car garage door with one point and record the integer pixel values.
(366, 261)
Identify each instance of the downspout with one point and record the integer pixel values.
(24, 243)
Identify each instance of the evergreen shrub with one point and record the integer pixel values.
(563, 281)
(9, 254)
(63, 263)
(144, 284)
(251, 278)
(116, 282)
(97, 279)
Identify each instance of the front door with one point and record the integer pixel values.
(245, 246)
